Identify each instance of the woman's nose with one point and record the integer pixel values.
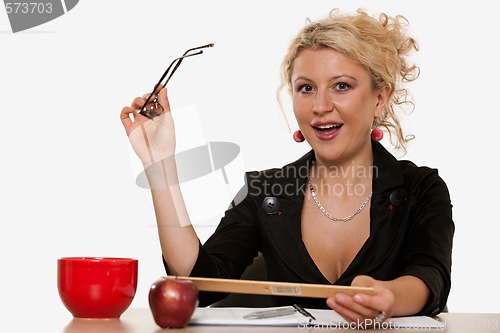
(322, 103)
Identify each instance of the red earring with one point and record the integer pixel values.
(298, 136)
(377, 134)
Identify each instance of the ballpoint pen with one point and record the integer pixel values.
(303, 311)
(283, 311)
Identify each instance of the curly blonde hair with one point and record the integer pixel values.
(381, 45)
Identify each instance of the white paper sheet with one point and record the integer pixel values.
(324, 319)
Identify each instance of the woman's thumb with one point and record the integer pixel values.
(362, 281)
(163, 99)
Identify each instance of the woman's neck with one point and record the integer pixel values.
(350, 177)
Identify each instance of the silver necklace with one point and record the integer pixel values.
(343, 219)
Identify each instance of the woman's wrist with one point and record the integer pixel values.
(410, 295)
(162, 174)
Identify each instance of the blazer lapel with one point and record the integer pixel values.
(385, 217)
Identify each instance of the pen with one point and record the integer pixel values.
(284, 311)
(303, 311)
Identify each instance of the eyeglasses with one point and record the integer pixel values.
(151, 107)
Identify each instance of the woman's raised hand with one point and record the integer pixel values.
(152, 139)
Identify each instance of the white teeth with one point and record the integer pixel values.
(327, 126)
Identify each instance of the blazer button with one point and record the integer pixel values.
(398, 197)
(270, 205)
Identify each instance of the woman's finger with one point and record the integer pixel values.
(345, 312)
(131, 118)
(359, 308)
(125, 116)
(138, 103)
(381, 302)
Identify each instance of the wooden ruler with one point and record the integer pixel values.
(271, 288)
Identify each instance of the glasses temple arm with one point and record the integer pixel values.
(199, 47)
(186, 54)
(178, 60)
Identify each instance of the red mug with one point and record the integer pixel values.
(94, 287)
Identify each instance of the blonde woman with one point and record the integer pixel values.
(349, 212)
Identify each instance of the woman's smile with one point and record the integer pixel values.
(326, 130)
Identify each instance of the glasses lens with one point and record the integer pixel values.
(153, 109)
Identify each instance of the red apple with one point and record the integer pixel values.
(172, 302)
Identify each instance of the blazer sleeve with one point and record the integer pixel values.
(430, 240)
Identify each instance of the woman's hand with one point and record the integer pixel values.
(364, 309)
(152, 139)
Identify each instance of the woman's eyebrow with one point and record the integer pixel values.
(343, 75)
(336, 77)
(302, 78)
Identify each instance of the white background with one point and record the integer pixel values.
(67, 180)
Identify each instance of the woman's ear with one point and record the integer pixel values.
(382, 99)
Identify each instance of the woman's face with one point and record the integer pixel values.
(334, 104)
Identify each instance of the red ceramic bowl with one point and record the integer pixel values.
(93, 287)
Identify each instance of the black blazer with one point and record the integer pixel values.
(411, 231)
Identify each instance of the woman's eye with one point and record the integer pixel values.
(306, 88)
(342, 86)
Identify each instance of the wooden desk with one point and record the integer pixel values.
(141, 321)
